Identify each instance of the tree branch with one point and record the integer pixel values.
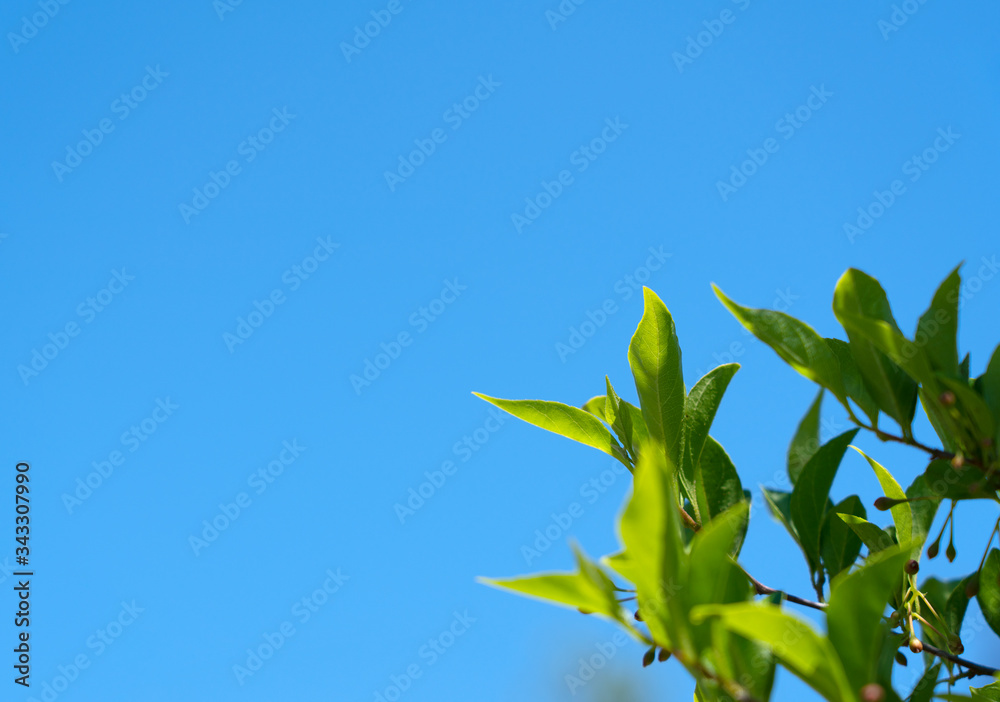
(763, 589)
(974, 668)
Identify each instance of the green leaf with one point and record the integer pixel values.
(779, 503)
(655, 358)
(860, 305)
(989, 590)
(625, 419)
(588, 589)
(990, 693)
(937, 330)
(840, 546)
(873, 537)
(699, 412)
(812, 491)
(988, 385)
(795, 342)
(975, 414)
(653, 557)
(718, 483)
(921, 511)
(924, 690)
(947, 482)
(854, 614)
(571, 422)
(713, 576)
(805, 443)
(854, 383)
(806, 654)
(595, 406)
(901, 514)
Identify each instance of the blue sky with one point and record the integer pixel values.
(213, 215)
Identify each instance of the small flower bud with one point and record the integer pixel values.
(901, 659)
(947, 398)
(884, 503)
(950, 552)
(916, 645)
(955, 645)
(957, 462)
(912, 567)
(894, 620)
(638, 617)
(664, 655)
(972, 587)
(649, 657)
(932, 550)
(872, 692)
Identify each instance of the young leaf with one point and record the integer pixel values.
(854, 614)
(859, 302)
(589, 589)
(655, 358)
(811, 493)
(989, 590)
(805, 653)
(805, 443)
(795, 342)
(571, 422)
(699, 412)
(901, 514)
(937, 330)
(839, 545)
(595, 406)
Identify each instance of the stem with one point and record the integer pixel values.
(937, 453)
(763, 589)
(689, 521)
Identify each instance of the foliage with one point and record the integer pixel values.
(683, 525)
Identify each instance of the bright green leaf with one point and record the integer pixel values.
(571, 422)
(901, 514)
(718, 483)
(699, 412)
(990, 693)
(655, 358)
(873, 537)
(840, 546)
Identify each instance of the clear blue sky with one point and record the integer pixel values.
(221, 214)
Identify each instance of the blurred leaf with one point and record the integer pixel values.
(990, 693)
(571, 422)
(806, 654)
(989, 591)
(937, 330)
(840, 546)
(805, 443)
(988, 385)
(854, 614)
(924, 689)
(811, 494)
(860, 304)
(655, 358)
(795, 342)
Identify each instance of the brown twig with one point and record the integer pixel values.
(763, 589)
(973, 668)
